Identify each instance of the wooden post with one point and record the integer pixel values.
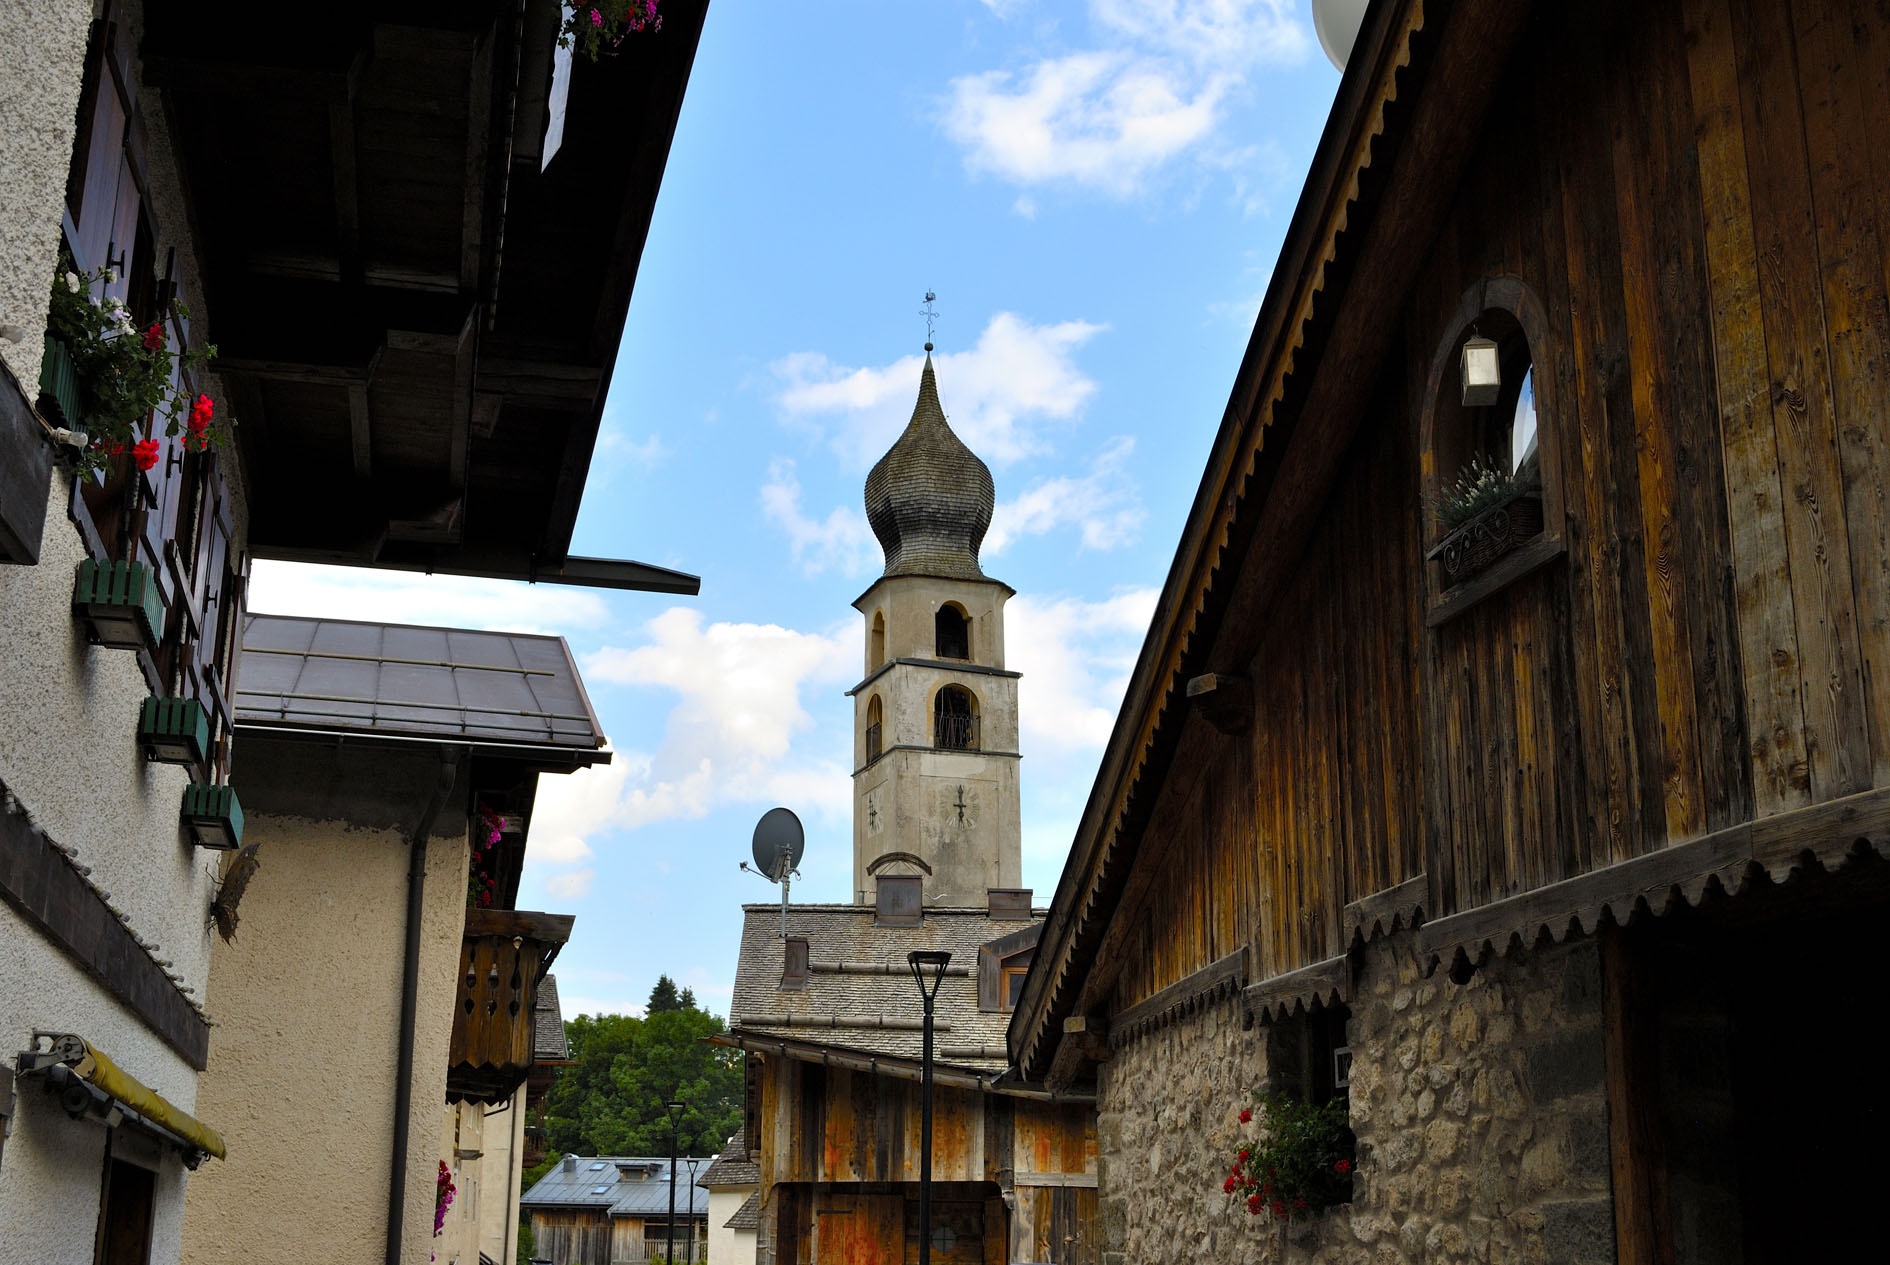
(1643, 1217)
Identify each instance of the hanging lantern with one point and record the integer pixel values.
(1482, 372)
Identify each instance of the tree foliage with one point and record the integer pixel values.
(611, 1101)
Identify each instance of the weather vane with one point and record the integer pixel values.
(931, 318)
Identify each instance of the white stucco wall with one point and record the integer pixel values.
(484, 1215)
(39, 97)
(302, 1066)
(726, 1246)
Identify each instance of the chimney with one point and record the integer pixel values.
(570, 1163)
(1008, 904)
(794, 963)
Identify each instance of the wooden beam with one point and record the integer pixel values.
(342, 156)
(1224, 699)
(1637, 1143)
(360, 429)
(478, 145)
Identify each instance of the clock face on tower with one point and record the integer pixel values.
(875, 818)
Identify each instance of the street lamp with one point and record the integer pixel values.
(675, 1109)
(924, 963)
(689, 1251)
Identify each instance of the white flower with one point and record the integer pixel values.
(72, 282)
(111, 276)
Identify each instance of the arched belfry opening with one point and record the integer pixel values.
(954, 719)
(952, 632)
(875, 721)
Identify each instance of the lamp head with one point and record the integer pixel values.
(928, 968)
(675, 1109)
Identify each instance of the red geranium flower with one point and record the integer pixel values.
(1255, 1204)
(1229, 1185)
(1279, 1207)
(1246, 1114)
(1243, 1155)
(1343, 1166)
(154, 338)
(145, 453)
(1299, 1205)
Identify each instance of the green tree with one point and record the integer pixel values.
(663, 997)
(611, 1101)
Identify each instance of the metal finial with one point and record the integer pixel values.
(931, 318)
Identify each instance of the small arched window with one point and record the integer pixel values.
(953, 631)
(876, 644)
(1489, 470)
(954, 719)
(874, 716)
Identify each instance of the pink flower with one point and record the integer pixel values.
(597, 19)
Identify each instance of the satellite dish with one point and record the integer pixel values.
(779, 842)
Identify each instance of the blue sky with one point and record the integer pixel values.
(1097, 192)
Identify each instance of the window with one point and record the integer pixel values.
(953, 632)
(876, 642)
(1491, 509)
(954, 720)
(1011, 979)
(124, 1218)
(1308, 1056)
(874, 721)
(1003, 965)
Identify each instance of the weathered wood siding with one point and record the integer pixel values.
(571, 1238)
(825, 1129)
(1696, 197)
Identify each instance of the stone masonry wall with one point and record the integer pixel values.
(1479, 1110)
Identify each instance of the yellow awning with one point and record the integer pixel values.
(84, 1060)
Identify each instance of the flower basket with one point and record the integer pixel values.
(120, 604)
(213, 815)
(1495, 531)
(173, 730)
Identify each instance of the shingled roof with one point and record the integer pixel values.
(860, 994)
(548, 1043)
(732, 1167)
(929, 498)
(748, 1216)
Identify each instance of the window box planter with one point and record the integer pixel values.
(119, 603)
(1476, 544)
(214, 816)
(26, 464)
(59, 386)
(173, 730)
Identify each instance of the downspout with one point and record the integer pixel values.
(409, 997)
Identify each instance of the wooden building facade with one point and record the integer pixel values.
(1348, 783)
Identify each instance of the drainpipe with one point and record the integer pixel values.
(409, 997)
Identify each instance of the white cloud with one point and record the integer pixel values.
(730, 739)
(401, 597)
(1076, 657)
(1102, 503)
(571, 885)
(841, 542)
(998, 395)
(573, 1006)
(615, 447)
(1111, 118)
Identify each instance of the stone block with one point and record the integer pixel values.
(1588, 1147)
(1566, 1064)
(1579, 1231)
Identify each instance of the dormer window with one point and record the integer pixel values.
(953, 632)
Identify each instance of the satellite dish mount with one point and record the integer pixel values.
(779, 843)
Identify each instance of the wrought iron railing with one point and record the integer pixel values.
(955, 732)
(872, 742)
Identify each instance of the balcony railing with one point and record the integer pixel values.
(872, 743)
(955, 732)
(502, 957)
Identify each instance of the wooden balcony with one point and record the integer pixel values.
(502, 958)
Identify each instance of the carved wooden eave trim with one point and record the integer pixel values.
(1327, 983)
(1387, 912)
(1380, 56)
(1825, 835)
(1207, 987)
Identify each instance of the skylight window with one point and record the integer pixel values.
(599, 1167)
(600, 1190)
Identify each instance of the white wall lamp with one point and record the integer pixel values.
(1482, 372)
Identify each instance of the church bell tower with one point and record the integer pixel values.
(935, 791)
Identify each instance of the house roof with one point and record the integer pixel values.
(748, 1216)
(406, 681)
(548, 1041)
(597, 1181)
(732, 1167)
(860, 994)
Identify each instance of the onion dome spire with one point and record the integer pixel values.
(930, 498)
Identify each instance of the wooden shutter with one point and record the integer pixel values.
(92, 198)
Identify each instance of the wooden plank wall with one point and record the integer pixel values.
(1697, 192)
(572, 1238)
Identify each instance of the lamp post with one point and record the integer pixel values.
(924, 963)
(689, 1250)
(675, 1121)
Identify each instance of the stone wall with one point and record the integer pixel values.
(1479, 1110)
